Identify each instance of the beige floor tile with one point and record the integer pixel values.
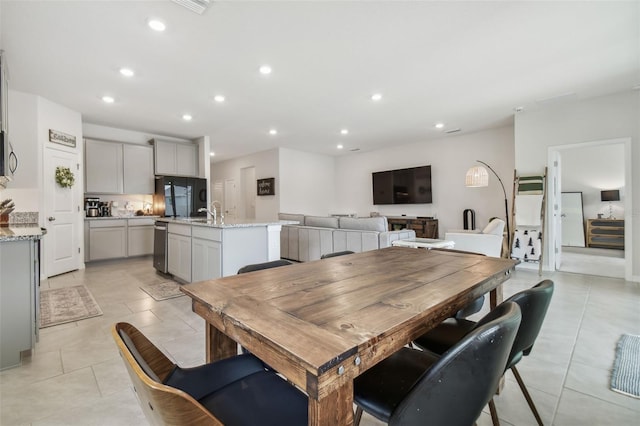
(578, 409)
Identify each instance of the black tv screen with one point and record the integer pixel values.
(402, 186)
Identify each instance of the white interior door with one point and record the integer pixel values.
(61, 245)
(555, 194)
(572, 219)
(230, 198)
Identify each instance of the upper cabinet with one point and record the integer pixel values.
(175, 159)
(117, 168)
(138, 169)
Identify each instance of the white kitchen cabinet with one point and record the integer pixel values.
(186, 160)
(179, 251)
(138, 175)
(206, 251)
(139, 237)
(19, 300)
(175, 159)
(117, 168)
(103, 167)
(107, 239)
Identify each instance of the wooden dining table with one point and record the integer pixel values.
(322, 323)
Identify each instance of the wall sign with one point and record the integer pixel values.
(267, 186)
(62, 138)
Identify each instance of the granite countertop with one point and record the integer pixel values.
(19, 232)
(121, 217)
(231, 223)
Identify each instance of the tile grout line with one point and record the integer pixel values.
(575, 341)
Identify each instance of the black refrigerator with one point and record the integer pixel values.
(178, 196)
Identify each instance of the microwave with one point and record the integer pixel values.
(8, 159)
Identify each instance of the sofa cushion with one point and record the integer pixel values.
(378, 224)
(289, 216)
(321, 221)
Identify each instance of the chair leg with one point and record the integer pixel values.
(357, 417)
(494, 413)
(526, 395)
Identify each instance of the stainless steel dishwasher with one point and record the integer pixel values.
(160, 246)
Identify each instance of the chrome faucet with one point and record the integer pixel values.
(213, 212)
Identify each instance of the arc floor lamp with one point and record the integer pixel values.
(477, 176)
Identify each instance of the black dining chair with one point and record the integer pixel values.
(533, 302)
(264, 265)
(415, 387)
(233, 391)
(336, 253)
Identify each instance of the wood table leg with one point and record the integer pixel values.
(334, 409)
(218, 345)
(495, 297)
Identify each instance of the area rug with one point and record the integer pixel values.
(625, 377)
(164, 290)
(68, 304)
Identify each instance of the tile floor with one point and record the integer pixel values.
(75, 376)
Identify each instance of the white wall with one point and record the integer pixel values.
(266, 164)
(450, 157)
(604, 118)
(307, 183)
(593, 169)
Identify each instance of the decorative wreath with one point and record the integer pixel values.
(64, 177)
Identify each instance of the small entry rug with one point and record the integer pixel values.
(625, 377)
(68, 304)
(164, 290)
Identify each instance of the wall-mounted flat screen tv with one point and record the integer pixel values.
(402, 186)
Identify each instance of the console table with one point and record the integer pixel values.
(424, 227)
(605, 233)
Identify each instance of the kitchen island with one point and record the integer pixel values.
(200, 249)
(19, 291)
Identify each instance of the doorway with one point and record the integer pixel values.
(590, 168)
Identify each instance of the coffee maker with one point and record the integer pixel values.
(105, 208)
(92, 206)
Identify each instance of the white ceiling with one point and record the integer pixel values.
(467, 64)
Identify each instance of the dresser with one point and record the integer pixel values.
(605, 233)
(424, 227)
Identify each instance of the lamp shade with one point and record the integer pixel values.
(477, 176)
(612, 195)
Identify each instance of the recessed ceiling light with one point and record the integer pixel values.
(156, 25)
(376, 96)
(212, 154)
(187, 117)
(127, 72)
(344, 131)
(273, 132)
(265, 69)
(219, 98)
(439, 125)
(519, 109)
(108, 99)
(340, 146)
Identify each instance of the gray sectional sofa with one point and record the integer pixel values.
(318, 235)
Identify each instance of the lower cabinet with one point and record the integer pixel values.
(107, 239)
(206, 251)
(139, 237)
(116, 238)
(19, 300)
(179, 251)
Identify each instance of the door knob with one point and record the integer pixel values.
(51, 218)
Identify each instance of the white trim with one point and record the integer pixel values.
(628, 202)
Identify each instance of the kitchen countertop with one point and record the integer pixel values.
(19, 232)
(244, 223)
